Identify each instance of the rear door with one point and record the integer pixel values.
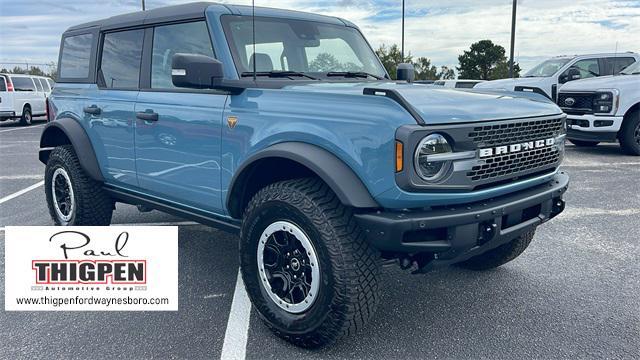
(109, 110)
(24, 92)
(6, 101)
(178, 130)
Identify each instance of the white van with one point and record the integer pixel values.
(23, 97)
(546, 77)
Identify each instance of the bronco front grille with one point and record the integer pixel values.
(514, 164)
(515, 132)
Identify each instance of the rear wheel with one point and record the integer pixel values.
(581, 143)
(500, 255)
(26, 117)
(73, 197)
(306, 265)
(630, 134)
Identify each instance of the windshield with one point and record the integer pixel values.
(303, 48)
(547, 68)
(633, 69)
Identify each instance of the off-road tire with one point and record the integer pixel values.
(630, 134)
(500, 255)
(26, 117)
(581, 143)
(349, 266)
(92, 206)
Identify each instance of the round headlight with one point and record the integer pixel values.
(428, 167)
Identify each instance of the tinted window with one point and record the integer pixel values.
(45, 84)
(120, 64)
(76, 53)
(614, 65)
(3, 84)
(22, 84)
(38, 84)
(190, 38)
(465, 85)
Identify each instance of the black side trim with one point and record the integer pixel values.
(395, 96)
(533, 89)
(79, 139)
(333, 171)
(203, 217)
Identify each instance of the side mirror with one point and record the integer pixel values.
(405, 72)
(195, 71)
(573, 74)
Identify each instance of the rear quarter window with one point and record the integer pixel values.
(3, 84)
(75, 58)
(23, 84)
(38, 84)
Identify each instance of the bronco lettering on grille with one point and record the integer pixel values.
(514, 148)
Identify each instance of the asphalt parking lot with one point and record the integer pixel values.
(575, 293)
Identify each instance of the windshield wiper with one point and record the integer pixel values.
(353, 74)
(278, 74)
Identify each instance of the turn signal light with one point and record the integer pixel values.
(399, 156)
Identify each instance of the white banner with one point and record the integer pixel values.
(91, 268)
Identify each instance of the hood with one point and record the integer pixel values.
(437, 105)
(602, 82)
(509, 84)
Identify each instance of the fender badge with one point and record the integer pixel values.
(232, 121)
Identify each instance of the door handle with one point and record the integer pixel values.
(148, 115)
(93, 110)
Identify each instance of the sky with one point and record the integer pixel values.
(440, 30)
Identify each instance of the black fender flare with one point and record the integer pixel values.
(344, 182)
(51, 137)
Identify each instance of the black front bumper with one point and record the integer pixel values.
(456, 233)
(604, 136)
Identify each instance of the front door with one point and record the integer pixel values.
(178, 131)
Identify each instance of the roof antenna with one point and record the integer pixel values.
(615, 60)
(253, 29)
(402, 45)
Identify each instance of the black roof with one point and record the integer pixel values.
(169, 13)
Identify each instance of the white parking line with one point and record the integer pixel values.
(23, 191)
(22, 128)
(21, 177)
(167, 223)
(235, 338)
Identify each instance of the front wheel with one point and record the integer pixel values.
(581, 143)
(306, 265)
(500, 255)
(73, 197)
(630, 134)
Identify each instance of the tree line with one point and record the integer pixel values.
(33, 70)
(483, 61)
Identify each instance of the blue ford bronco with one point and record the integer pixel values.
(285, 127)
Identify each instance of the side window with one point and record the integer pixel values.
(120, 62)
(38, 84)
(190, 38)
(3, 84)
(76, 55)
(613, 65)
(22, 84)
(51, 83)
(587, 68)
(45, 84)
(464, 84)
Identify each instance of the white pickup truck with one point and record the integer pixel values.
(604, 109)
(546, 77)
